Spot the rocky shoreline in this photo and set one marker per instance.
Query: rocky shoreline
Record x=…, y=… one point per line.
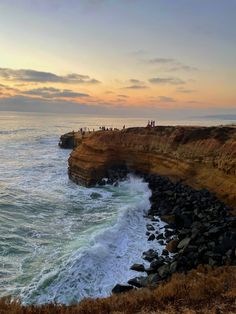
x=199, y=230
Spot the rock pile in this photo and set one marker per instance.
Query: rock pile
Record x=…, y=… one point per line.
x=199, y=230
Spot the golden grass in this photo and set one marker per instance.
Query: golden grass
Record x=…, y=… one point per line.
x=204, y=290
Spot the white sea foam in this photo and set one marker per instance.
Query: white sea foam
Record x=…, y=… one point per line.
x=94, y=270
x=58, y=242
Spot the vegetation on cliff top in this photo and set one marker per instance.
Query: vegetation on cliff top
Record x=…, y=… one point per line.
x=204, y=290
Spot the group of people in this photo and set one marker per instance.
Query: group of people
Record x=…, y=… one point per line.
x=103, y=128
x=151, y=124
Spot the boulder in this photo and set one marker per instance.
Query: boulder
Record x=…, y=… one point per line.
x=150, y=227
x=138, y=282
x=172, y=246
x=151, y=237
x=138, y=267
x=150, y=255
x=121, y=288
x=184, y=243
x=164, y=271
x=168, y=218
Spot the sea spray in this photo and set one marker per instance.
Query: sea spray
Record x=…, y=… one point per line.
x=93, y=270
x=53, y=231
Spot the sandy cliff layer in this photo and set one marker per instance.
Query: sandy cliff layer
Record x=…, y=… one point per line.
x=202, y=157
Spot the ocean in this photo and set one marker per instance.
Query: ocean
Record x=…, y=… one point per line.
x=60, y=242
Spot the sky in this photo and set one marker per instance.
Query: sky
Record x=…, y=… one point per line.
x=118, y=56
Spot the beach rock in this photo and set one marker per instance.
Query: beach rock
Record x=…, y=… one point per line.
x=138, y=267
x=153, y=279
x=157, y=263
x=95, y=195
x=184, y=243
x=151, y=237
x=165, y=252
x=168, y=218
x=121, y=288
x=138, y=282
x=172, y=246
x=150, y=255
x=164, y=271
x=150, y=227
x=160, y=236
x=173, y=267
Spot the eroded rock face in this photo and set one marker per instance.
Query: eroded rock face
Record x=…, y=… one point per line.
x=200, y=156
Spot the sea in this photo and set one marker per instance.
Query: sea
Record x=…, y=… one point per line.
x=61, y=242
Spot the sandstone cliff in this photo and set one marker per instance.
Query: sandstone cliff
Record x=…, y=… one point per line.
x=203, y=157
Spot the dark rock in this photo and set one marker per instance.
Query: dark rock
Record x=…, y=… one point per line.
x=150, y=255
x=153, y=279
x=138, y=282
x=169, y=233
x=172, y=246
x=95, y=195
x=165, y=252
x=164, y=271
x=168, y=218
x=157, y=263
x=160, y=236
x=151, y=237
x=121, y=288
x=184, y=243
x=137, y=267
x=150, y=227
x=173, y=267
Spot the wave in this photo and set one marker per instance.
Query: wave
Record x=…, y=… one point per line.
x=105, y=261
x=16, y=131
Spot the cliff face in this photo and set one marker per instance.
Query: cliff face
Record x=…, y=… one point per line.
x=202, y=157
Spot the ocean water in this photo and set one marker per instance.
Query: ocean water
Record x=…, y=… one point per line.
x=60, y=241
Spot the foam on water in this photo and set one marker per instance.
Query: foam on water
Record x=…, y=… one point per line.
x=59, y=241
x=92, y=271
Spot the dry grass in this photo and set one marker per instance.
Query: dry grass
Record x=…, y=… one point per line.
x=203, y=290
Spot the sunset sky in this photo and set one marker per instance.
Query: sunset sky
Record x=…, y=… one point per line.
x=99, y=56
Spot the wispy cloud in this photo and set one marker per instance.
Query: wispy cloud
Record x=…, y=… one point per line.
x=28, y=75
x=171, y=64
x=166, y=99
x=135, y=81
x=136, y=87
x=123, y=96
x=4, y=88
x=51, y=92
x=185, y=90
x=166, y=81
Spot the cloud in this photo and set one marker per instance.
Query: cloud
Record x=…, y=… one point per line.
x=123, y=96
x=184, y=90
x=136, y=87
x=161, y=61
x=171, y=64
x=27, y=75
x=30, y=104
x=8, y=88
x=135, y=81
x=51, y=92
x=166, y=99
x=166, y=80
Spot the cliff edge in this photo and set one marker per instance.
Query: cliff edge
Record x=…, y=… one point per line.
x=203, y=157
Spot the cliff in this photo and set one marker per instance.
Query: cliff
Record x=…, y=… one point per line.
x=203, y=157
